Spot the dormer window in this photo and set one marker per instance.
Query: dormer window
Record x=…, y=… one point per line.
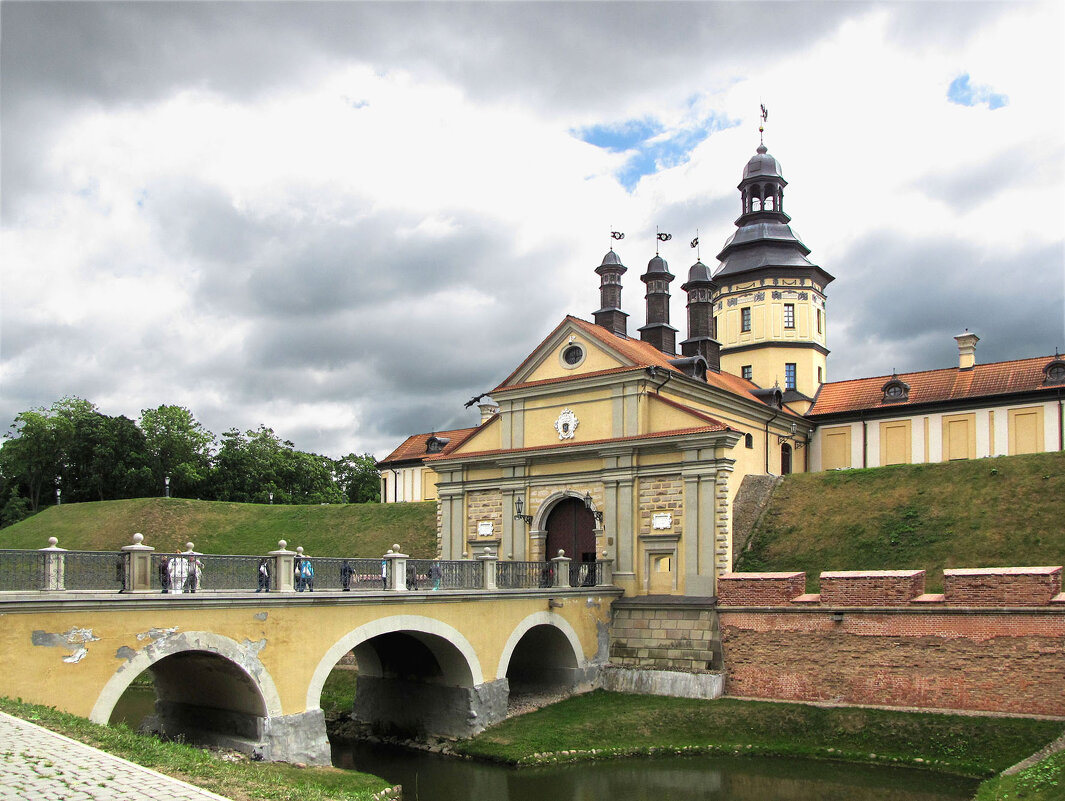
x=436, y=444
x=896, y=391
x=1054, y=372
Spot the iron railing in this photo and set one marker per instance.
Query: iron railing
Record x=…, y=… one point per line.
x=439, y=574
x=333, y=573
x=95, y=570
x=585, y=574
x=523, y=575
x=22, y=571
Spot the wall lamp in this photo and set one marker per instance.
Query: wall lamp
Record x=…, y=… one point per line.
x=588, y=505
x=519, y=509
x=782, y=438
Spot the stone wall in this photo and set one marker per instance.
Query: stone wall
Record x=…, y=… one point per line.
x=484, y=506
x=664, y=635
x=661, y=494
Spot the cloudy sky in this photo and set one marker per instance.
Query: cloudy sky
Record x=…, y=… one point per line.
x=345, y=219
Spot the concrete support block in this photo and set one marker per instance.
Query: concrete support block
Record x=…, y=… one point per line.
x=138, y=565
x=561, y=567
x=54, y=566
x=282, y=580
x=671, y=683
x=296, y=738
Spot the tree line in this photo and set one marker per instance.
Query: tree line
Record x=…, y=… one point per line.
x=73, y=447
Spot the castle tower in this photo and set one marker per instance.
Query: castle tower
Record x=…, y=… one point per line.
x=769, y=303
x=610, y=315
x=658, y=331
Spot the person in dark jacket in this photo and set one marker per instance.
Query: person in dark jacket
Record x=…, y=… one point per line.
x=346, y=572
x=264, y=575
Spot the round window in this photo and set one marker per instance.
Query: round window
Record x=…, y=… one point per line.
x=573, y=354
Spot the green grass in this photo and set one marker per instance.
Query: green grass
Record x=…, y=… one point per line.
x=338, y=692
x=1043, y=781
x=241, y=781
x=611, y=724
x=364, y=529
x=997, y=512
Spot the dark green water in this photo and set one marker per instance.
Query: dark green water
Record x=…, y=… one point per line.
x=428, y=777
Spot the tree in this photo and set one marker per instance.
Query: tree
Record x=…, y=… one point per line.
x=106, y=457
x=35, y=451
x=358, y=478
x=178, y=447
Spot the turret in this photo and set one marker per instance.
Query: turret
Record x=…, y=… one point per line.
x=702, y=338
x=610, y=315
x=658, y=331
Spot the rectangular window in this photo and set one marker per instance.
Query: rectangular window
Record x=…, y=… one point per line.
x=820, y=376
x=747, y=372
x=745, y=318
x=789, y=376
x=819, y=323
x=789, y=315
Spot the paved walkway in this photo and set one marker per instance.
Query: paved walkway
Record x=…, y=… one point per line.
x=39, y=765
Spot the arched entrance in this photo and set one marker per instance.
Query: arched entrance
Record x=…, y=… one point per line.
x=571, y=528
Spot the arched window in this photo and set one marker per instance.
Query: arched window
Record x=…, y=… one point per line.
x=748, y=440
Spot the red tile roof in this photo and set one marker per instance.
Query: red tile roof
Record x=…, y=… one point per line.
x=413, y=448
x=934, y=386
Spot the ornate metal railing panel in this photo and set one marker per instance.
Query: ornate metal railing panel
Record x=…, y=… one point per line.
x=523, y=575
x=437, y=574
x=333, y=573
x=95, y=570
x=21, y=571
x=585, y=574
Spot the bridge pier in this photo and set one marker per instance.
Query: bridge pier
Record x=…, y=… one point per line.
x=413, y=709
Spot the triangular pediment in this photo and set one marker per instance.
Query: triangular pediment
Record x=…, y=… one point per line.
x=573, y=349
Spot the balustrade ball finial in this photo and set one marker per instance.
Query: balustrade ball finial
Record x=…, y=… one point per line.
x=561, y=552
x=299, y=550
x=53, y=541
x=395, y=547
x=282, y=544
x=138, y=538
x=189, y=545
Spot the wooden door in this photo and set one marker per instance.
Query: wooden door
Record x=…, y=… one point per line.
x=571, y=528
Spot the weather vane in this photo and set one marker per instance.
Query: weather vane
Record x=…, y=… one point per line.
x=761, y=125
x=661, y=237
x=695, y=244
x=617, y=235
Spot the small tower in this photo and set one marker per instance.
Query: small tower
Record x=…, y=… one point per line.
x=610, y=315
x=658, y=331
x=701, y=339
x=769, y=303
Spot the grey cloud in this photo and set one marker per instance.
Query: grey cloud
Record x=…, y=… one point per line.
x=967, y=188
x=902, y=302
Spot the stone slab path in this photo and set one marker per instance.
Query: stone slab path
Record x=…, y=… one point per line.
x=39, y=765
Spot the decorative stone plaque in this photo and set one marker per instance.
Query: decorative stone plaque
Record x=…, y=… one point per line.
x=484, y=528
x=566, y=424
x=662, y=520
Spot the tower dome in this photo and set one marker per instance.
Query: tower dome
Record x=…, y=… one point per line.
x=762, y=165
x=658, y=266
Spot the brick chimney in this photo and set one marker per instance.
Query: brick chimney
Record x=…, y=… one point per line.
x=966, y=350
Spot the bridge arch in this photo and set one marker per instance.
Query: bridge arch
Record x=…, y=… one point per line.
x=243, y=659
x=535, y=620
x=459, y=662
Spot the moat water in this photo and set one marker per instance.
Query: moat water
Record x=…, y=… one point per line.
x=430, y=777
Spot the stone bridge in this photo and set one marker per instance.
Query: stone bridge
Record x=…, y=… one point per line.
x=246, y=670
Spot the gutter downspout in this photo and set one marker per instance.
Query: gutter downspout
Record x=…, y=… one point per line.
x=767, y=422
x=395, y=485
x=865, y=441
x=1061, y=424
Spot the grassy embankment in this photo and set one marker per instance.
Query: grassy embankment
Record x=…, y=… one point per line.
x=603, y=725
x=241, y=781
x=360, y=530
x=999, y=512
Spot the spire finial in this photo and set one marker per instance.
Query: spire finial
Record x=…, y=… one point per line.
x=761, y=129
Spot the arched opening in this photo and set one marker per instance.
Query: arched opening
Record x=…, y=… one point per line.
x=785, y=459
x=405, y=677
x=199, y=697
x=570, y=528
x=542, y=668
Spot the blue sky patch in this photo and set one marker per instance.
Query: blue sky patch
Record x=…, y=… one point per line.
x=651, y=145
x=963, y=92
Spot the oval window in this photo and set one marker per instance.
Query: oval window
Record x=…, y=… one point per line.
x=573, y=354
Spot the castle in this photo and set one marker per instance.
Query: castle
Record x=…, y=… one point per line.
x=606, y=445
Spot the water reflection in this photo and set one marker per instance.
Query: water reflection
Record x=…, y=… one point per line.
x=426, y=777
